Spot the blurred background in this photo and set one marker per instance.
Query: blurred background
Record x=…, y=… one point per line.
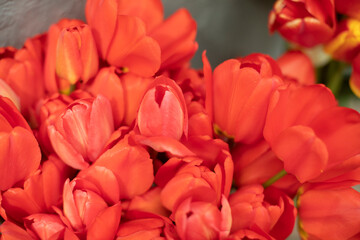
x=226, y=28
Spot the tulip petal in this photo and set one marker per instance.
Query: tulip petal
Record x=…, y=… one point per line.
x=105, y=224
x=19, y=156
x=303, y=153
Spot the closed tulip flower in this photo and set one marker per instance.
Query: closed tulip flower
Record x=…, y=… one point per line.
x=76, y=54
x=306, y=23
x=74, y=134
x=162, y=111
x=19, y=147
x=238, y=93
x=203, y=220
x=121, y=39
x=85, y=210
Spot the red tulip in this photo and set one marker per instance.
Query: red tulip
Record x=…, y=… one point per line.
x=53, y=83
x=329, y=214
x=122, y=39
x=40, y=193
x=345, y=45
x=300, y=134
x=307, y=23
x=19, y=147
x=162, y=111
x=124, y=91
x=272, y=211
x=76, y=54
x=74, y=134
x=11, y=231
x=238, y=95
x=348, y=7
x=22, y=71
x=45, y=226
x=203, y=220
x=88, y=213
x=127, y=161
x=176, y=38
x=295, y=65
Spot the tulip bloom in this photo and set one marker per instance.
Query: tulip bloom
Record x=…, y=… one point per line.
x=76, y=54
x=85, y=211
x=271, y=210
x=329, y=214
x=126, y=161
x=74, y=134
x=162, y=111
x=238, y=94
x=124, y=91
x=203, y=220
x=345, y=45
x=299, y=133
x=307, y=23
x=122, y=40
x=350, y=8
x=40, y=193
x=19, y=147
x=22, y=71
x=45, y=226
x=176, y=38
x=53, y=82
x=295, y=65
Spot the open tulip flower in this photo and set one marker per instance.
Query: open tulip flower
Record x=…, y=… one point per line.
x=107, y=132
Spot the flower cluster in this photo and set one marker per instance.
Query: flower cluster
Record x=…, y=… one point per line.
x=333, y=23
x=108, y=133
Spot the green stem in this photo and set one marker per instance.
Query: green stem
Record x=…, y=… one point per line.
x=274, y=178
x=335, y=76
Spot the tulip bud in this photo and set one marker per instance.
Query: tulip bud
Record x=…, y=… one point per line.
x=76, y=54
x=238, y=95
x=307, y=23
x=45, y=226
x=162, y=111
x=122, y=39
x=203, y=220
x=74, y=134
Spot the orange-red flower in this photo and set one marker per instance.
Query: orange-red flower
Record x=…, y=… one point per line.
x=22, y=71
x=203, y=220
x=127, y=161
x=350, y=8
x=87, y=213
x=18, y=147
x=75, y=134
x=238, y=95
x=76, y=54
x=297, y=67
x=345, y=45
x=121, y=39
x=124, y=91
x=45, y=226
x=329, y=214
x=307, y=23
x=162, y=111
x=270, y=210
x=40, y=192
x=300, y=133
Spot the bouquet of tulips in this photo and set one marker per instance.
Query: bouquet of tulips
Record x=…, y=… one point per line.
x=108, y=133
